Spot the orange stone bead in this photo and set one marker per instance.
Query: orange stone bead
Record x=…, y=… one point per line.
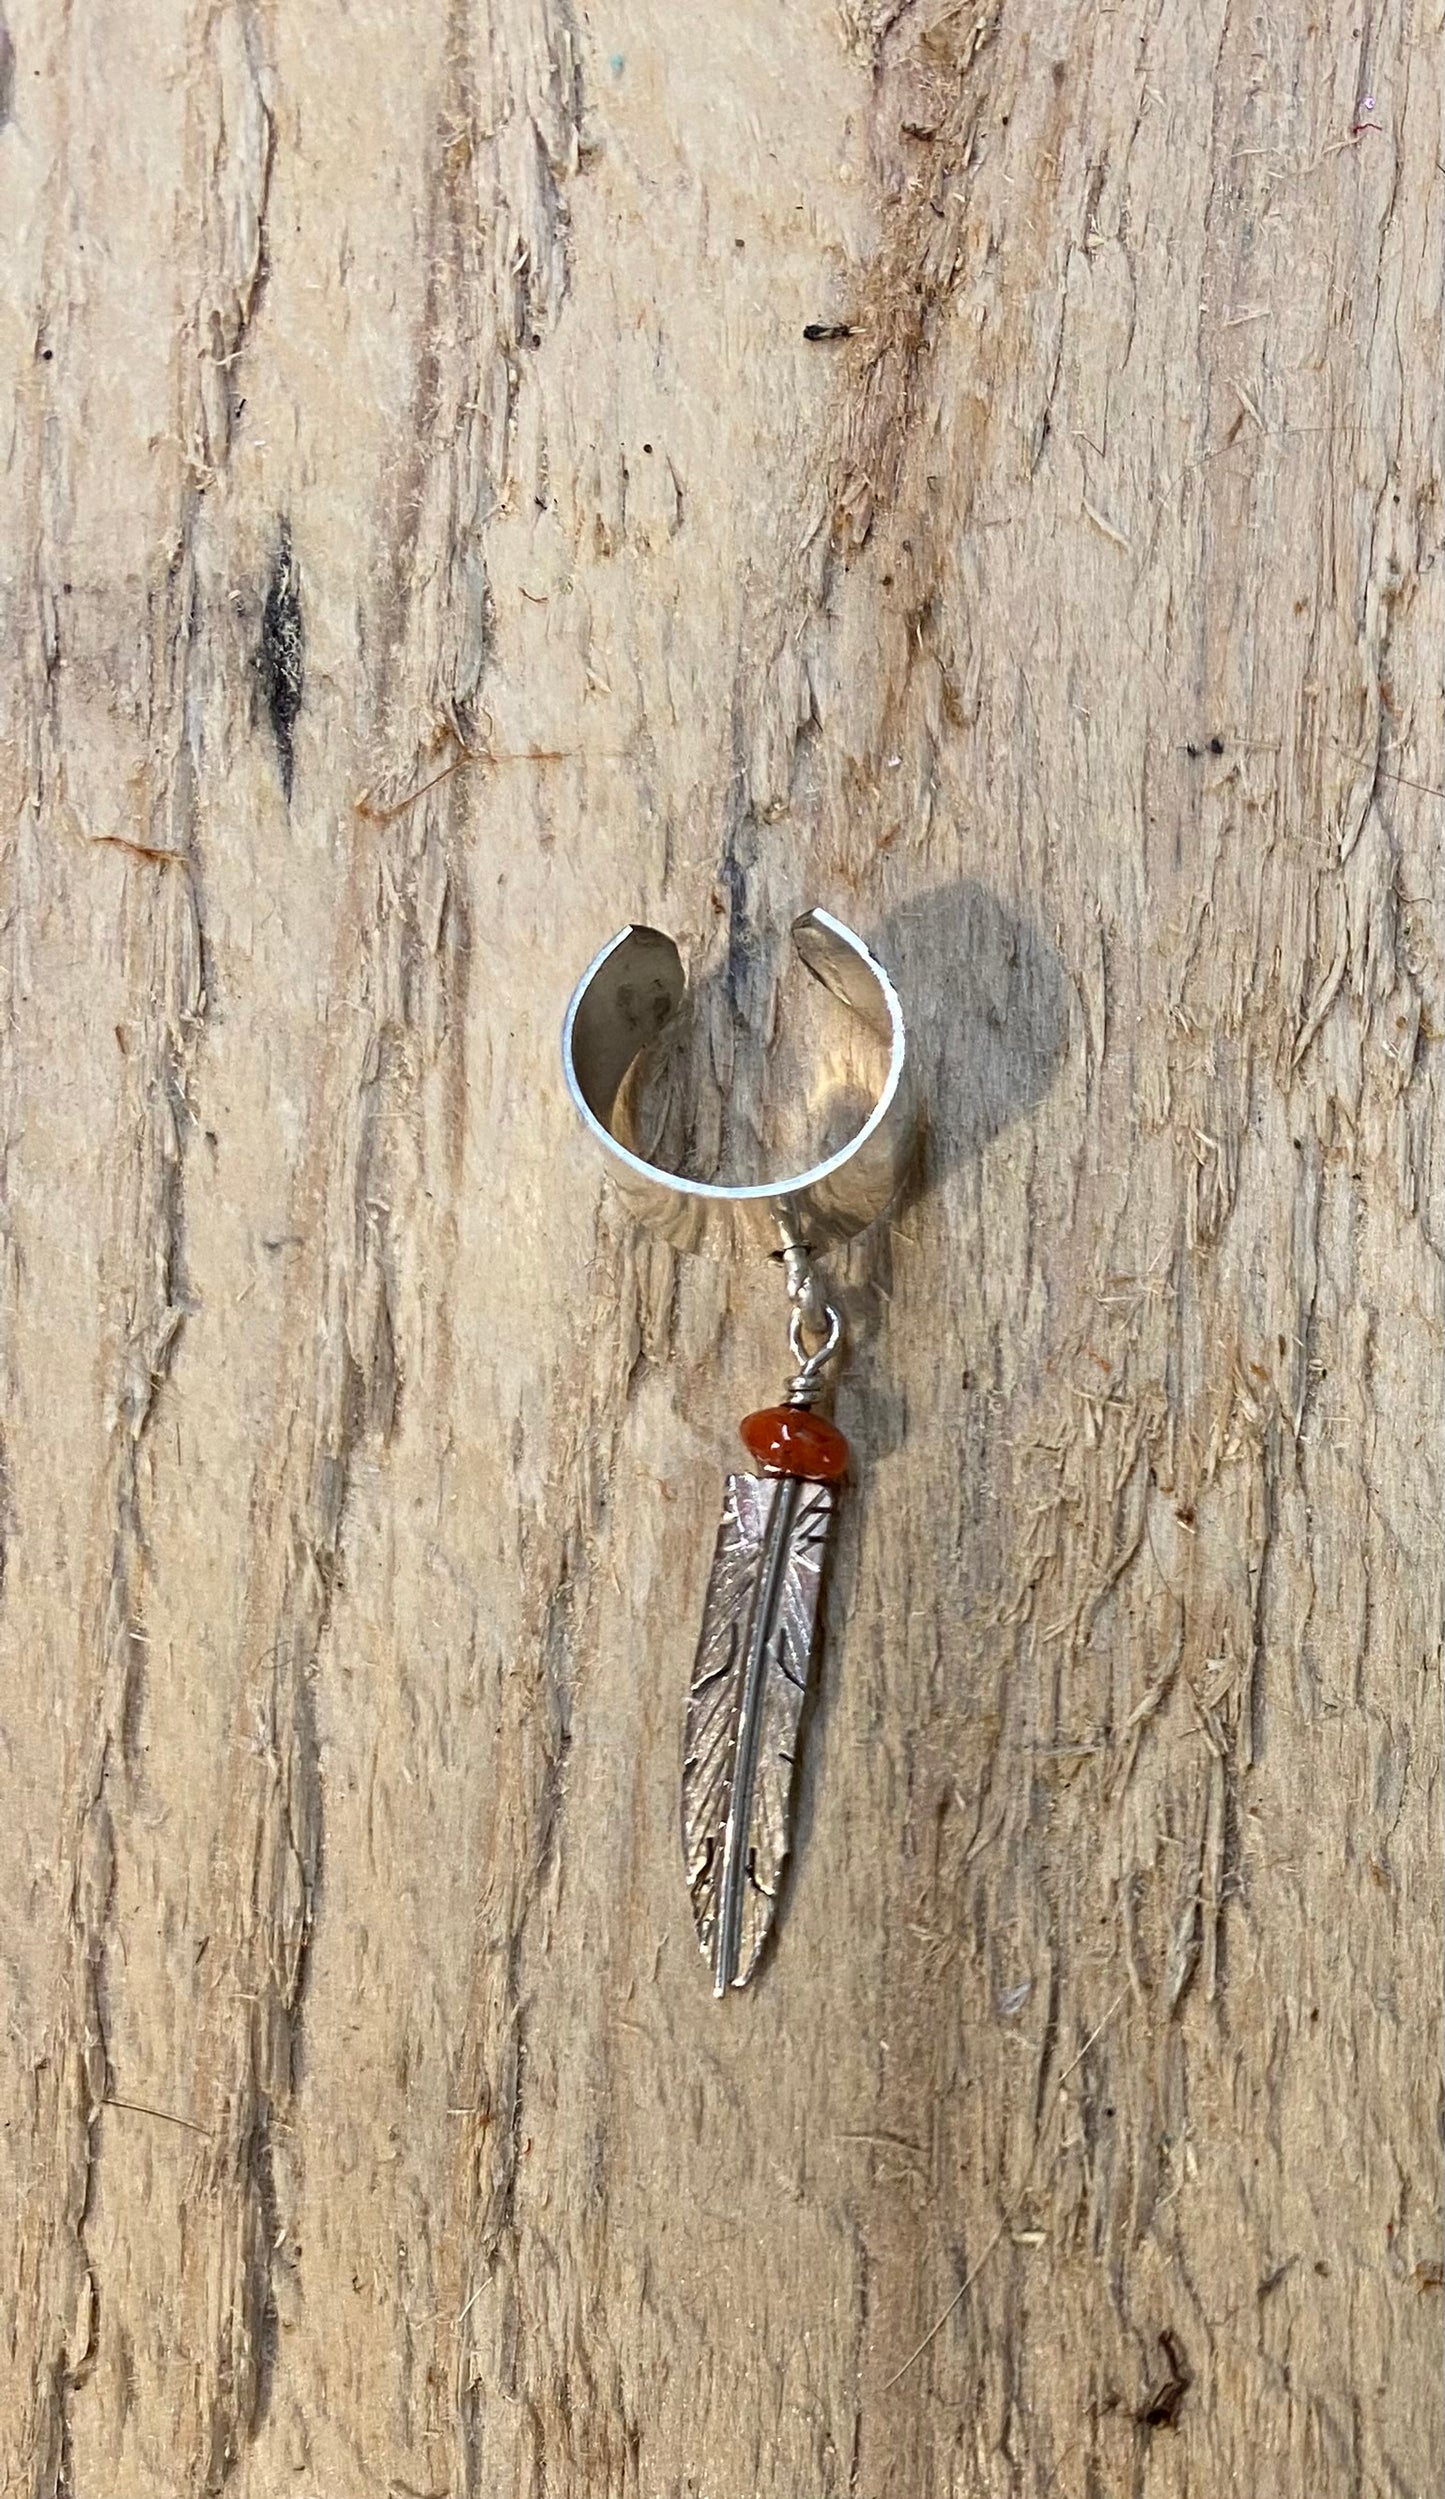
x=787, y=1440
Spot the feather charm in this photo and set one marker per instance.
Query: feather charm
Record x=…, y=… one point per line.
x=745, y=1701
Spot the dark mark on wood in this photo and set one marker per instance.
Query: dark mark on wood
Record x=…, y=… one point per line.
x=159, y=857
x=282, y=655
x=1161, y=2409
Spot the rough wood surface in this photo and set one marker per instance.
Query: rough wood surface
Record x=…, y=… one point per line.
x=429, y=540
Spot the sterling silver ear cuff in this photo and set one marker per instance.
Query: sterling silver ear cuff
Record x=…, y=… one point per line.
x=760, y=1616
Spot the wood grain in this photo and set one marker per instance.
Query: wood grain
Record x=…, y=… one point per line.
x=429, y=540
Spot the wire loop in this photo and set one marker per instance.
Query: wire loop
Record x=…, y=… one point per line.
x=809, y=1378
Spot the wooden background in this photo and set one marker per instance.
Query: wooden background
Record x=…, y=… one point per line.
x=429, y=541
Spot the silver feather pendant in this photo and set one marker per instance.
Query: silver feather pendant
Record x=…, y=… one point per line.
x=744, y=1706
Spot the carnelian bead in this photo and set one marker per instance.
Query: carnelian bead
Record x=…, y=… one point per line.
x=787, y=1440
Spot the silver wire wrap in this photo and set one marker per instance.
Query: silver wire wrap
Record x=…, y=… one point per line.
x=805, y=1287
x=812, y=1314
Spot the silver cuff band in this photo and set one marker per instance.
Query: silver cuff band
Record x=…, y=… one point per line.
x=621, y=1004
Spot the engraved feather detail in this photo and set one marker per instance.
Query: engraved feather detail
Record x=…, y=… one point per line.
x=744, y=1705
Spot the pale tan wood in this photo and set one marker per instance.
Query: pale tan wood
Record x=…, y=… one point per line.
x=413, y=405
